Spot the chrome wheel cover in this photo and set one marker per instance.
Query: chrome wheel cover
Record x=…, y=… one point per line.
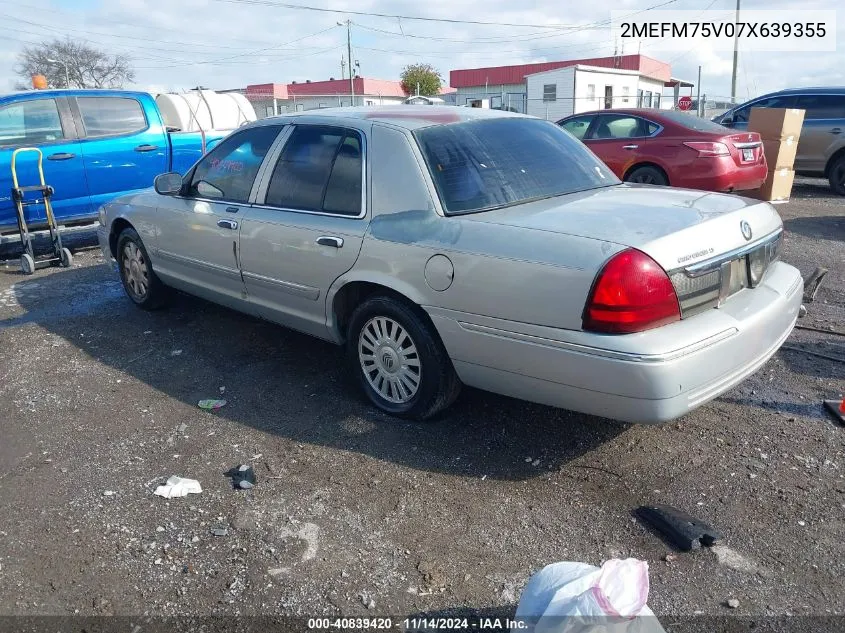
x=390, y=360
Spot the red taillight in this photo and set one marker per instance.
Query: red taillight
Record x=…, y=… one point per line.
x=709, y=149
x=632, y=293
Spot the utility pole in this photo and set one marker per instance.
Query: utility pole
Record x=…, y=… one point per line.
x=342, y=67
x=699, y=105
x=736, y=54
x=349, y=53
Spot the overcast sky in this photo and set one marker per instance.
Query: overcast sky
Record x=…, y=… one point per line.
x=178, y=44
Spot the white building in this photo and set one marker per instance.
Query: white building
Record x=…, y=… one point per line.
x=521, y=88
x=559, y=93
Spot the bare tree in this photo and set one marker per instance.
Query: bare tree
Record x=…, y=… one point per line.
x=70, y=64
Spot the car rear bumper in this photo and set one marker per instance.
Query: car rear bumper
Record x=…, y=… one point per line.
x=721, y=174
x=650, y=383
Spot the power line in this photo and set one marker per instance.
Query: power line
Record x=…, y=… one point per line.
x=393, y=16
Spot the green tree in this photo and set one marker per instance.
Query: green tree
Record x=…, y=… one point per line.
x=423, y=75
x=70, y=64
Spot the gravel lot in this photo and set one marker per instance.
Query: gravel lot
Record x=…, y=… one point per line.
x=359, y=514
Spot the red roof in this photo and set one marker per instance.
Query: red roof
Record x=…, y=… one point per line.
x=267, y=91
x=363, y=86
x=498, y=75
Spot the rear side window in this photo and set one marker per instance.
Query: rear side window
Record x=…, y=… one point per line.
x=228, y=171
x=693, y=122
x=822, y=106
x=320, y=169
x=611, y=126
x=490, y=163
x=30, y=122
x=111, y=116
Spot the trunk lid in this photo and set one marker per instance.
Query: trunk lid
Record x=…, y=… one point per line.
x=746, y=148
x=675, y=227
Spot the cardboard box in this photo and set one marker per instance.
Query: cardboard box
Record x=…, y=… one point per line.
x=780, y=153
x=776, y=124
x=777, y=188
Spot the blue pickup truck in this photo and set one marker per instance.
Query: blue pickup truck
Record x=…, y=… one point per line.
x=97, y=144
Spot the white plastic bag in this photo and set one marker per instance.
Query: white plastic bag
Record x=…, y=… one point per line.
x=581, y=598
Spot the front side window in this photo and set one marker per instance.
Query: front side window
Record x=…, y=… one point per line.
x=111, y=116
x=320, y=169
x=577, y=126
x=485, y=164
x=30, y=122
x=229, y=170
x=782, y=101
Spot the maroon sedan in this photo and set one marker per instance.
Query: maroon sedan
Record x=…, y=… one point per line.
x=663, y=147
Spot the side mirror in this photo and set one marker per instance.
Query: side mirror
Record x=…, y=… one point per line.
x=168, y=184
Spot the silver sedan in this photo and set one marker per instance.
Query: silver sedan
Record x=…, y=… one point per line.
x=449, y=246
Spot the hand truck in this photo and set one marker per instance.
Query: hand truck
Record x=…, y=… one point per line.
x=60, y=255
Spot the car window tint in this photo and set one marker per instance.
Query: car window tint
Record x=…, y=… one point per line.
x=618, y=126
x=692, y=122
x=110, y=116
x=30, y=122
x=822, y=106
x=229, y=170
x=780, y=101
x=578, y=126
x=651, y=127
x=319, y=170
x=494, y=162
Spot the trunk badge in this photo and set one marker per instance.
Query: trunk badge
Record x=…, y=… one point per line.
x=745, y=227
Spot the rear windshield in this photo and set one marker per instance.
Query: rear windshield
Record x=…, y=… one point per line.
x=486, y=164
x=692, y=122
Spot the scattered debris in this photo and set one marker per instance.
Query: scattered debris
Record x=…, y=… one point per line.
x=670, y=558
x=734, y=560
x=195, y=539
x=108, y=493
x=178, y=487
x=367, y=600
x=242, y=476
x=210, y=404
x=220, y=531
x=802, y=523
x=279, y=571
x=733, y=603
x=160, y=528
x=176, y=352
x=183, y=427
x=577, y=589
x=683, y=530
x=836, y=408
x=812, y=283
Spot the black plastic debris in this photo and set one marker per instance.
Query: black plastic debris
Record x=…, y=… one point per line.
x=836, y=409
x=683, y=530
x=812, y=283
x=242, y=476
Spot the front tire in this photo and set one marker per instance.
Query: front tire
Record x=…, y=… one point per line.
x=647, y=175
x=836, y=176
x=399, y=360
x=136, y=272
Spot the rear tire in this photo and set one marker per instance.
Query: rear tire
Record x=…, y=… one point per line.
x=399, y=360
x=647, y=175
x=136, y=272
x=836, y=176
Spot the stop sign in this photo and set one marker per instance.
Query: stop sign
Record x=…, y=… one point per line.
x=685, y=103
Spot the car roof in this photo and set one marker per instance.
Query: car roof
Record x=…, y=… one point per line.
x=646, y=113
x=836, y=90
x=74, y=92
x=410, y=117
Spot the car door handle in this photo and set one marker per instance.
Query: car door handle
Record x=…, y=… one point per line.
x=146, y=148
x=61, y=156
x=227, y=224
x=630, y=146
x=336, y=242
x=836, y=130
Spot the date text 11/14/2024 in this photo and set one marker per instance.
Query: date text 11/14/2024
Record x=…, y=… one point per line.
x=416, y=624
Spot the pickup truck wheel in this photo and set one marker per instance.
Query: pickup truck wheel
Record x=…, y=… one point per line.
x=647, y=175
x=836, y=175
x=399, y=360
x=139, y=281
